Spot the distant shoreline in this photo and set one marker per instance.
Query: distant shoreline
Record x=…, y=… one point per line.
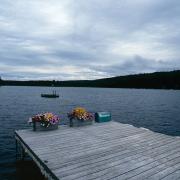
x=156, y=80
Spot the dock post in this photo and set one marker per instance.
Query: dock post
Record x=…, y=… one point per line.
x=22, y=153
x=16, y=148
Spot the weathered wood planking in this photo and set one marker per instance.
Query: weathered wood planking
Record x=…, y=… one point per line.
x=103, y=151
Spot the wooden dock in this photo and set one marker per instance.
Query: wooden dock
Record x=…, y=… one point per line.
x=103, y=151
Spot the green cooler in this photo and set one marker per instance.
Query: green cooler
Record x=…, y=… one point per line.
x=102, y=117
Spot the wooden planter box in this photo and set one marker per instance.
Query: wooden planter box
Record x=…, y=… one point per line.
x=37, y=127
x=79, y=122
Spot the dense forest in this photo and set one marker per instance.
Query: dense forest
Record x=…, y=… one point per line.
x=157, y=80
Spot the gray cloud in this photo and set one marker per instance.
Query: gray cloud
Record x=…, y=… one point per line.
x=138, y=64
x=88, y=39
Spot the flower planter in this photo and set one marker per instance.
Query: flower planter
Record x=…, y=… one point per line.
x=38, y=127
x=44, y=122
x=79, y=122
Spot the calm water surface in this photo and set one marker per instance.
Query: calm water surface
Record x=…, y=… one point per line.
x=157, y=110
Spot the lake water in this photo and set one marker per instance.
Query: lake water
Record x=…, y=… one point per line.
x=157, y=110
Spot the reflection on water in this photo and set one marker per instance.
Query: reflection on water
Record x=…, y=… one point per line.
x=157, y=110
x=27, y=170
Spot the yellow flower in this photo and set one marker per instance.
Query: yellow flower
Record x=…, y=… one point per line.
x=48, y=116
x=79, y=112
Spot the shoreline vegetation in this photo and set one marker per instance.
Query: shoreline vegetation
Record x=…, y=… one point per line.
x=156, y=80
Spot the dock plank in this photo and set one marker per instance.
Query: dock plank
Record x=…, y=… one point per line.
x=103, y=151
x=142, y=145
x=111, y=152
x=123, y=155
x=147, y=173
x=120, y=166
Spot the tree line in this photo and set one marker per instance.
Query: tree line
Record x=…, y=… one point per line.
x=157, y=80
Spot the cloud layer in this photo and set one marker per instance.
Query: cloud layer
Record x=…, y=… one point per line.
x=76, y=39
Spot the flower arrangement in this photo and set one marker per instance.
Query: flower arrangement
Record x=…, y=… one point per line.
x=46, y=119
x=80, y=114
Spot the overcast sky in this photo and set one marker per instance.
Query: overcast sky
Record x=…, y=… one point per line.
x=87, y=39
